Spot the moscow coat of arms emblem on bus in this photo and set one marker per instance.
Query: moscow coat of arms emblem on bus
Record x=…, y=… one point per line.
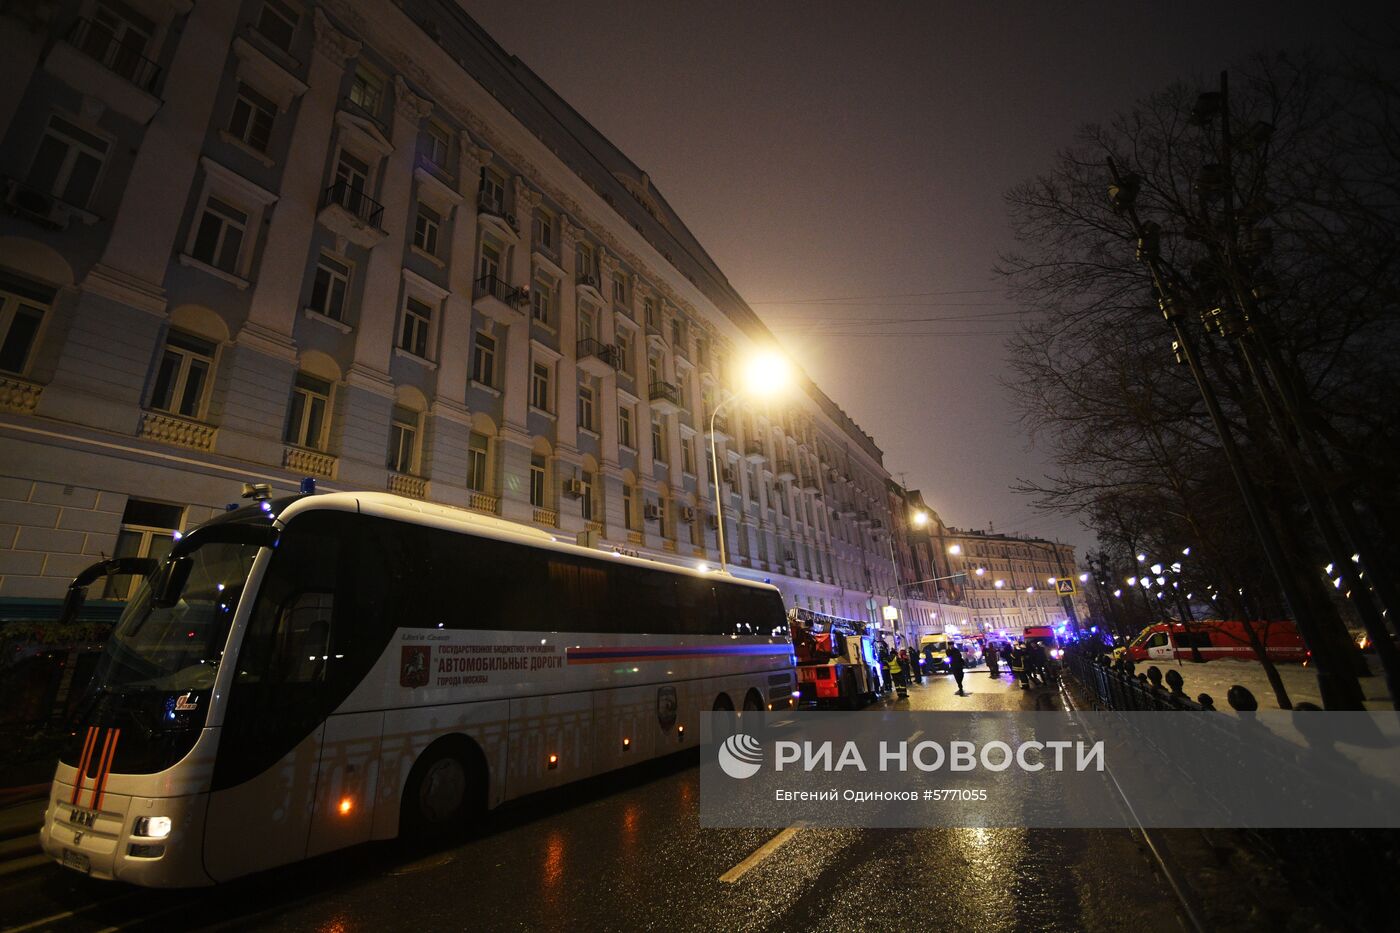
x=414, y=669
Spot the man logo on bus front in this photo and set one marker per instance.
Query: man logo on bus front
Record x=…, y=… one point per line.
x=416, y=661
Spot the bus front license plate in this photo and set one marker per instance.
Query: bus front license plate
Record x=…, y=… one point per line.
x=76, y=861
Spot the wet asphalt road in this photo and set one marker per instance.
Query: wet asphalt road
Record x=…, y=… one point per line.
x=626, y=852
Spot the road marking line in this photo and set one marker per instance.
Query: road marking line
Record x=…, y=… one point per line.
x=71, y=913
x=761, y=853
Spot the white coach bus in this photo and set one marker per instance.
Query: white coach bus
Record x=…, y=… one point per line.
x=305, y=674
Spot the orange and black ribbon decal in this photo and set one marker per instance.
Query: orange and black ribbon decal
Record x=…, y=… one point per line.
x=89, y=742
x=109, y=751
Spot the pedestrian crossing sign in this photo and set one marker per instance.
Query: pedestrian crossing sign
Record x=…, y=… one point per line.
x=1065, y=587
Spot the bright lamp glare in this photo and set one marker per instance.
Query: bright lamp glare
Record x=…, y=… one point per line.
x=766, y=374
x=920, y=519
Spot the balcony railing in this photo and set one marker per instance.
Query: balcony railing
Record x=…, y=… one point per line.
x=605, y=352
x=101, y=44
x=405, y=484
x=482, y=502
x=19, y=395
x=354, y=200
x=312, y=462
x=501, y=290
x=785, y=470
x=664, y=396
x=182, y=432
x=547, y=517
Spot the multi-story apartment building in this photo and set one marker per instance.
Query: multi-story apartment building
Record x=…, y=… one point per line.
x=1008, y=582
x=259, y=240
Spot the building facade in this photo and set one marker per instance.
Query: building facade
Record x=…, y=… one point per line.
x=358, y=241
x=1007, y=583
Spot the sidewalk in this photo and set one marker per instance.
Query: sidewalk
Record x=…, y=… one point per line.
x=21, y=815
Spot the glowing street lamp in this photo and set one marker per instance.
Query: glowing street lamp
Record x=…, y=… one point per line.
x=765, y=375
x=999, y=584
x=955, y=549
x=920, y=519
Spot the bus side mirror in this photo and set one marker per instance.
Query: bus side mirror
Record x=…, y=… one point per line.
x=170, y=583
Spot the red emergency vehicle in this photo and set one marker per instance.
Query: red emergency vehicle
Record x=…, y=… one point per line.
x=836, y=661
x=1168, y=641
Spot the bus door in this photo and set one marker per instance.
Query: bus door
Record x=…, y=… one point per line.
x=290, y=779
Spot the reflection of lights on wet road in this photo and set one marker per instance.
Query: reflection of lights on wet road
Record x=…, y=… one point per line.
x=631, y=819
x=554, y=859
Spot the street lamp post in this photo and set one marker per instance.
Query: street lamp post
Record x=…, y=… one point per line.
x=766, y=374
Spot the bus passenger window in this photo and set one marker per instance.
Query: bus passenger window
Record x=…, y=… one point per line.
x=304, y=638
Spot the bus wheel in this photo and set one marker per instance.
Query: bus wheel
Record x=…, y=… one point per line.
x=444, y=789
x=726, y=706
x=753, y=703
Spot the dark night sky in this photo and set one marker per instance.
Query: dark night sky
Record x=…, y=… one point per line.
x=834, y=150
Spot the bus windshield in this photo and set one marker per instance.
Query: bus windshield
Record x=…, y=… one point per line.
x=178, y=647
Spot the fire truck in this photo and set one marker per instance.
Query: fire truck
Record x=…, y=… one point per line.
x=836, y=660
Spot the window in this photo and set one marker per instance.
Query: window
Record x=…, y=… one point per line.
x=425, y=229
x=658, y=441
x=329, y=288
x=619, y=289
x=251, y=121
x=649, y=307
x=367, y=90
x=490, y=259
x=676, y=332
x=218, y=240
x=587, y=323
x=278, y=23
x=493, y=190
x=539, y=387
x=118, y=38
x=662, y=523
x=68, y=161
x=587, y=482
x=477, y=449
x=537, y=485
x=624, y=426
x=585, y=407
x=417, y=318
x=544, y=231
x=653, y=369
x=22, y=307
x=351, y=173
x=306, y=421
x=183, y=375
x=542, y=301
x=436, y=144
x=624, y=349
x=629, y=506
x=403, y=440
x=688, y=455
x=484, y=360
x=584, y=261
x=147, y=530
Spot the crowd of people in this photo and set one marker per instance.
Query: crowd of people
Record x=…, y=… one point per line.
x=1030, y=664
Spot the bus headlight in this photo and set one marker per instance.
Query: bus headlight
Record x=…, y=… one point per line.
x=152, y=827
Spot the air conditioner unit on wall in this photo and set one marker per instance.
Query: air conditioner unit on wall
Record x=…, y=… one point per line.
x=713, y=521
x=687, y=514
x=651, y=513
x=573, y=487
x=729, y=475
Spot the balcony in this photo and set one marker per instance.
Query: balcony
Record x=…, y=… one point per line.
x=24, y=200
x=498, y=299
x=308, y=462
x=785, y=471
x=405, y=484
x=598, y=359
x=753, y=452
x=546, y=517
x=665, y=398
x=590, y=284
x=88, y=57
x=493, y=209
x=481, y=502
x=810, y=484
x=348, y=212
x=181, y=432
x=721, y=432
